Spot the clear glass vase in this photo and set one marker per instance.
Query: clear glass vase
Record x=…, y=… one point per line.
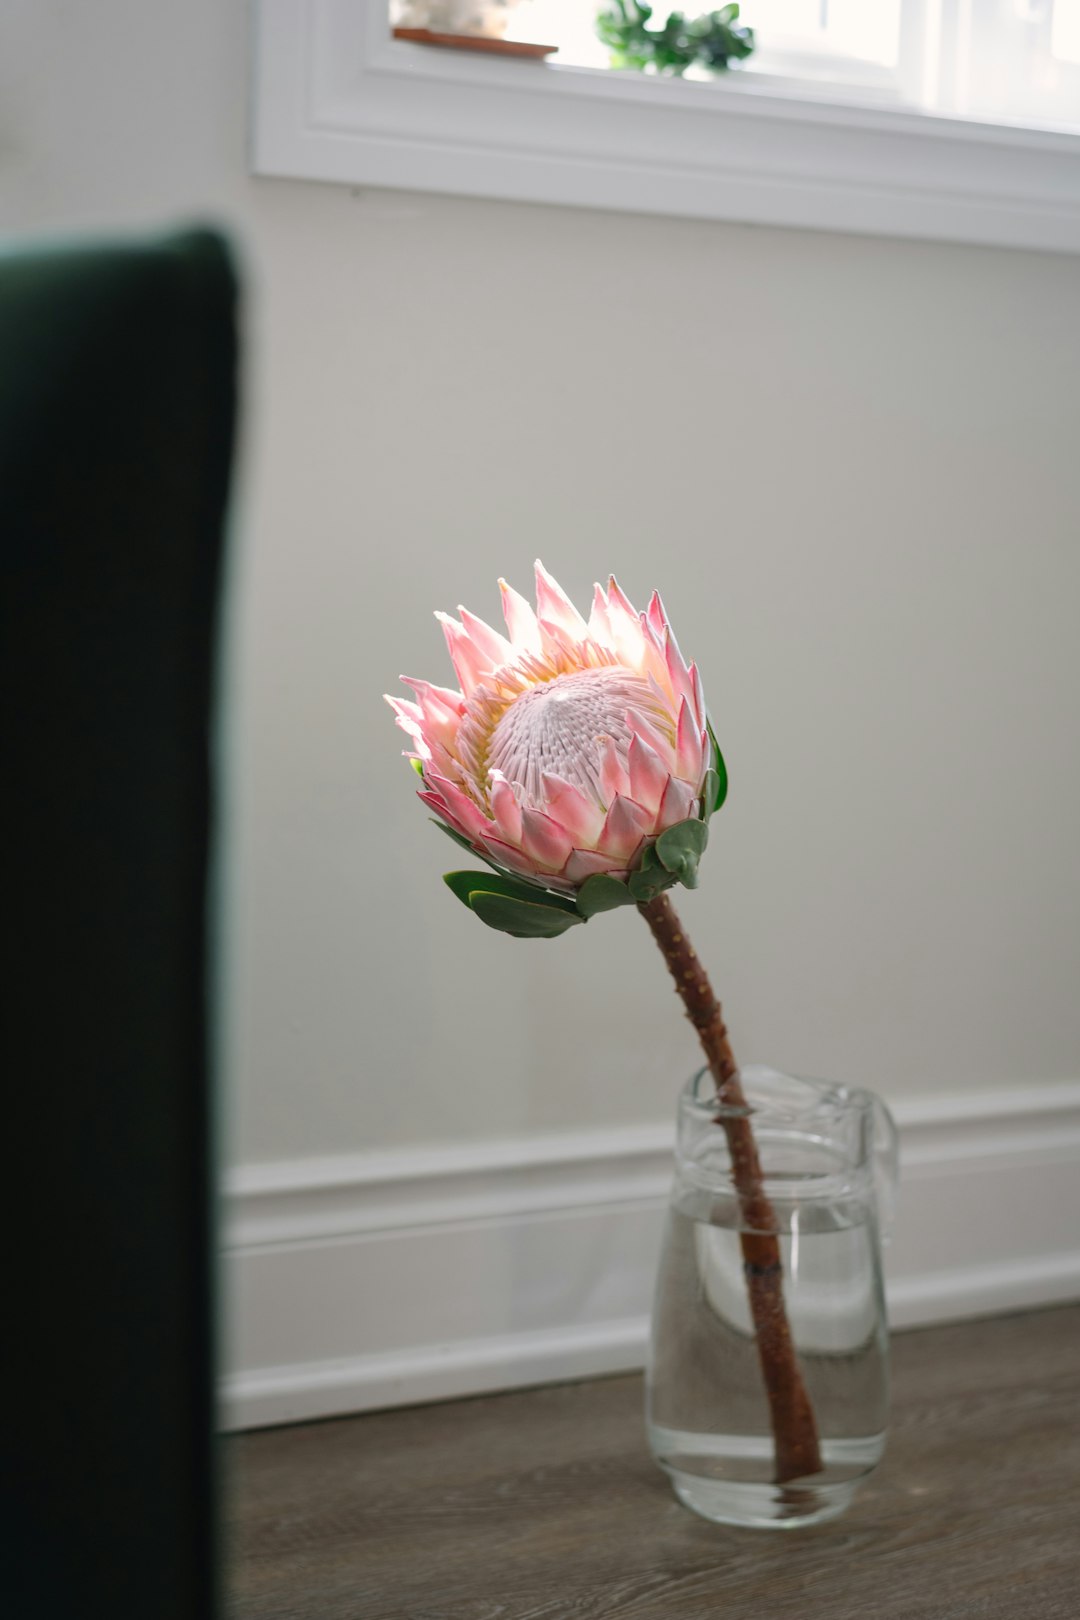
x=828, y=1157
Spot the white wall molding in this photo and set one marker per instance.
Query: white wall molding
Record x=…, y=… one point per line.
x=335, y=98
x=382, y=1279
x=344, y=1196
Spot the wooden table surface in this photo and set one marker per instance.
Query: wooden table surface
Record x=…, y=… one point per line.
x=545, y=1505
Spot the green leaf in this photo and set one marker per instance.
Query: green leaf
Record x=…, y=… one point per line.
x=681, y=847
x=602, y=892
x=523, y=919
x=456, y=836
x=418, y=767
x=467, y=884
x=513, y=906
x=721, y=771
x=650, y=879
x=712, y=40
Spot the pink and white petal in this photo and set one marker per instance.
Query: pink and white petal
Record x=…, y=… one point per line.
x=580, y=817
x=648, y=775
x=520, y=620
x=656, y=615
x=425, y=736
x=666, y=697
x=592, y=654
x=420, y=751
x=470, y=816
x=505, y=809
x=599, y=623
x=619, y=602
x=443, y=761
x=408, y=716
x=404, y=709
x=469, y=663
x=532, y=667
x=494, y=647
x=625, y=627
x=661, y=743
x=614, y=777
x=667, y=631
x=689, y=747
x=554, y=607
x=654, y=637
x=440, y=708
x=699, y=697
x=544, y=841
x=515, y=860
x=509, y=855
x=585, y=863
x=469, y=753
x=435, y=801
x=442, y=734
x=561, y=651
x=654, y=662
x=625, y=825
x=682, y=683
x=436, y=699
x=666, y=702
x=677, y=804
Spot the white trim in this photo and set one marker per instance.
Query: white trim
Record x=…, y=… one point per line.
x=409, y=1377
x=385, y=1192
x=336, y=99
x=374, y=1280
x=989, y=1290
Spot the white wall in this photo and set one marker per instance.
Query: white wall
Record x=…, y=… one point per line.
x=851, y=466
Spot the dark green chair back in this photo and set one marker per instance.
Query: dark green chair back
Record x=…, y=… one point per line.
x=117, y=381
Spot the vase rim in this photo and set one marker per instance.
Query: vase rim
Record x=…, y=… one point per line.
x=791, y=1095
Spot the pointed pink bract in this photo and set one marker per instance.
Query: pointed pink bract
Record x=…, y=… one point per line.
x=520, y=620
x=648, y=775
x=493, y=648
x=581, y=817
x=555, y=608
x=624, y=827
x=544, y=841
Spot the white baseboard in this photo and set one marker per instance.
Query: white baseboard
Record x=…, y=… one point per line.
x=386, y=1279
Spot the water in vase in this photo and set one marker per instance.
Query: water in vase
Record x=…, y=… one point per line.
x=708, y=1418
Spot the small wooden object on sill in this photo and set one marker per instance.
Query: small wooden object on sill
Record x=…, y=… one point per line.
x=475, y=42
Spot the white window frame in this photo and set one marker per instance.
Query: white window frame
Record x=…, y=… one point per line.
x=336, y=98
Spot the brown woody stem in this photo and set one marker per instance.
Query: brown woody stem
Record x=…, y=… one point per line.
x=795, y=1438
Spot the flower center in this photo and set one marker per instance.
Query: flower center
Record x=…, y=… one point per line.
x=557, y=726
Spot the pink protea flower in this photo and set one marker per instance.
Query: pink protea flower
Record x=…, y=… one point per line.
x=572, y=745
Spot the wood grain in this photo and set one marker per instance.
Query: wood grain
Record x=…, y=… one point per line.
x=545, y=1505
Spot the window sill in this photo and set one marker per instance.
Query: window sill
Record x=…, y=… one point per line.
x=337, y=99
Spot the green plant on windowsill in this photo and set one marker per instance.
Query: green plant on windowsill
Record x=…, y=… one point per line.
x=711, y=41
